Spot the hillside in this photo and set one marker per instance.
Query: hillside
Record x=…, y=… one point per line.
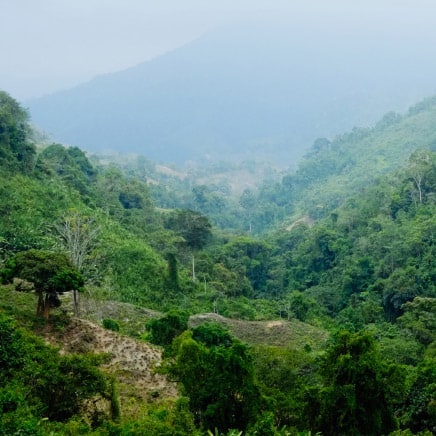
x=244, y=90
x=282, y=333
x=334, y=170
x=134, y=362
x=260, y=196
x=328, y=316
x=131, y=362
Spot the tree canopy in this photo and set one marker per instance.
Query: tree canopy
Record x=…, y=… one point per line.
x=216, y=372
x=354, y=398
x=50, y=273
x=194, y=227
x=16, y=151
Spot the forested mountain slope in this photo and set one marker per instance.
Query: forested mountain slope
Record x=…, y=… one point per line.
x=360, y=269
x=255, y=197
x=333, y=170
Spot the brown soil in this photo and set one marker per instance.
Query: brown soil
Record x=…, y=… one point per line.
x=131, y=361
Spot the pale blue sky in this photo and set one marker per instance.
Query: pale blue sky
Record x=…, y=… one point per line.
x=48, y=45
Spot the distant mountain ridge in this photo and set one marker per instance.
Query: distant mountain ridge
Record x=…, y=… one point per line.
x=258, y=90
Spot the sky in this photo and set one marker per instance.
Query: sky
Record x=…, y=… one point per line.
x=49, y=45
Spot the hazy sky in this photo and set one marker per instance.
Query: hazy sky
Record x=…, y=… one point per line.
x=47, y=45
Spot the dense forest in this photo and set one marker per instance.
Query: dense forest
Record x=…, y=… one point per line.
x=341, y=248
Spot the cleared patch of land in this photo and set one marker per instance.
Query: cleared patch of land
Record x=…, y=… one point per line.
x=131, y=360
x=282, y=333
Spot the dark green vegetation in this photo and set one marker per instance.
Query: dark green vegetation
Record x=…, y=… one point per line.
x=343, y=247
x=41, y=390
x=217, y=375
x=49, y=273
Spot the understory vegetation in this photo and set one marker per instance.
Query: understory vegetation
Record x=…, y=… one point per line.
x=342, y=247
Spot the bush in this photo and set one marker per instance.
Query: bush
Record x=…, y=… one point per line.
x=111, y=324
x=165, y=329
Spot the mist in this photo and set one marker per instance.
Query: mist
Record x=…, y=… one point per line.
x=52, y=45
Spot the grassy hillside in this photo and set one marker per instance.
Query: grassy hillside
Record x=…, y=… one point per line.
x=130, y=362
x=280, y=333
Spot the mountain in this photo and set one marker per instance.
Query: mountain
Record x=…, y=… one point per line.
x=249, y=89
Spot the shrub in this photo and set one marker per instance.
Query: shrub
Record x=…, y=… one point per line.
x=165, y=329
x=111, y=324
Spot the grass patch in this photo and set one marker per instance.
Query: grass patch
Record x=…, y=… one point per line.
x=280, y=333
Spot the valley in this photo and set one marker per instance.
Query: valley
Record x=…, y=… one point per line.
x=227, y=297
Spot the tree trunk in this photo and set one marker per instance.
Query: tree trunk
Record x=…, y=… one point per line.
x=47, y=306
x=193, y=268
x=40, y=305
x=76, y=302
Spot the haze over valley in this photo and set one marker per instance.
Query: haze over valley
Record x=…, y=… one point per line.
x=247, y=90
x=218, y=218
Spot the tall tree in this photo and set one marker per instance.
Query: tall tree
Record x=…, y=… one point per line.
x=70, y=164
x=216, y=372
x=422, y=166
x=248, y=202
x=50, y=273
x=194, y=228
x=354, y=399
x=78, y=234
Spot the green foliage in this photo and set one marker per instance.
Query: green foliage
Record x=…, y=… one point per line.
x=172, y=281
x=126, y=201
x=264, y=426
x=169, y=420
x=50, y=273
x=248, y=258
x=332, y=171
x=362, y=258
x=420, y=318
x=300, y=306
x=283, y=375
x=419, y=409
x=217, y=376
x=194, y=227
x=354, y=397
x=135, y=270
x=38, y=384
x=16, y=151
x=11, y=354
x=363, y=309
x=212, y=335
x=111, y=324
x=163, y=330
x=70, y=164
x=29, y=208
x=63, y=385
x=357, y=253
